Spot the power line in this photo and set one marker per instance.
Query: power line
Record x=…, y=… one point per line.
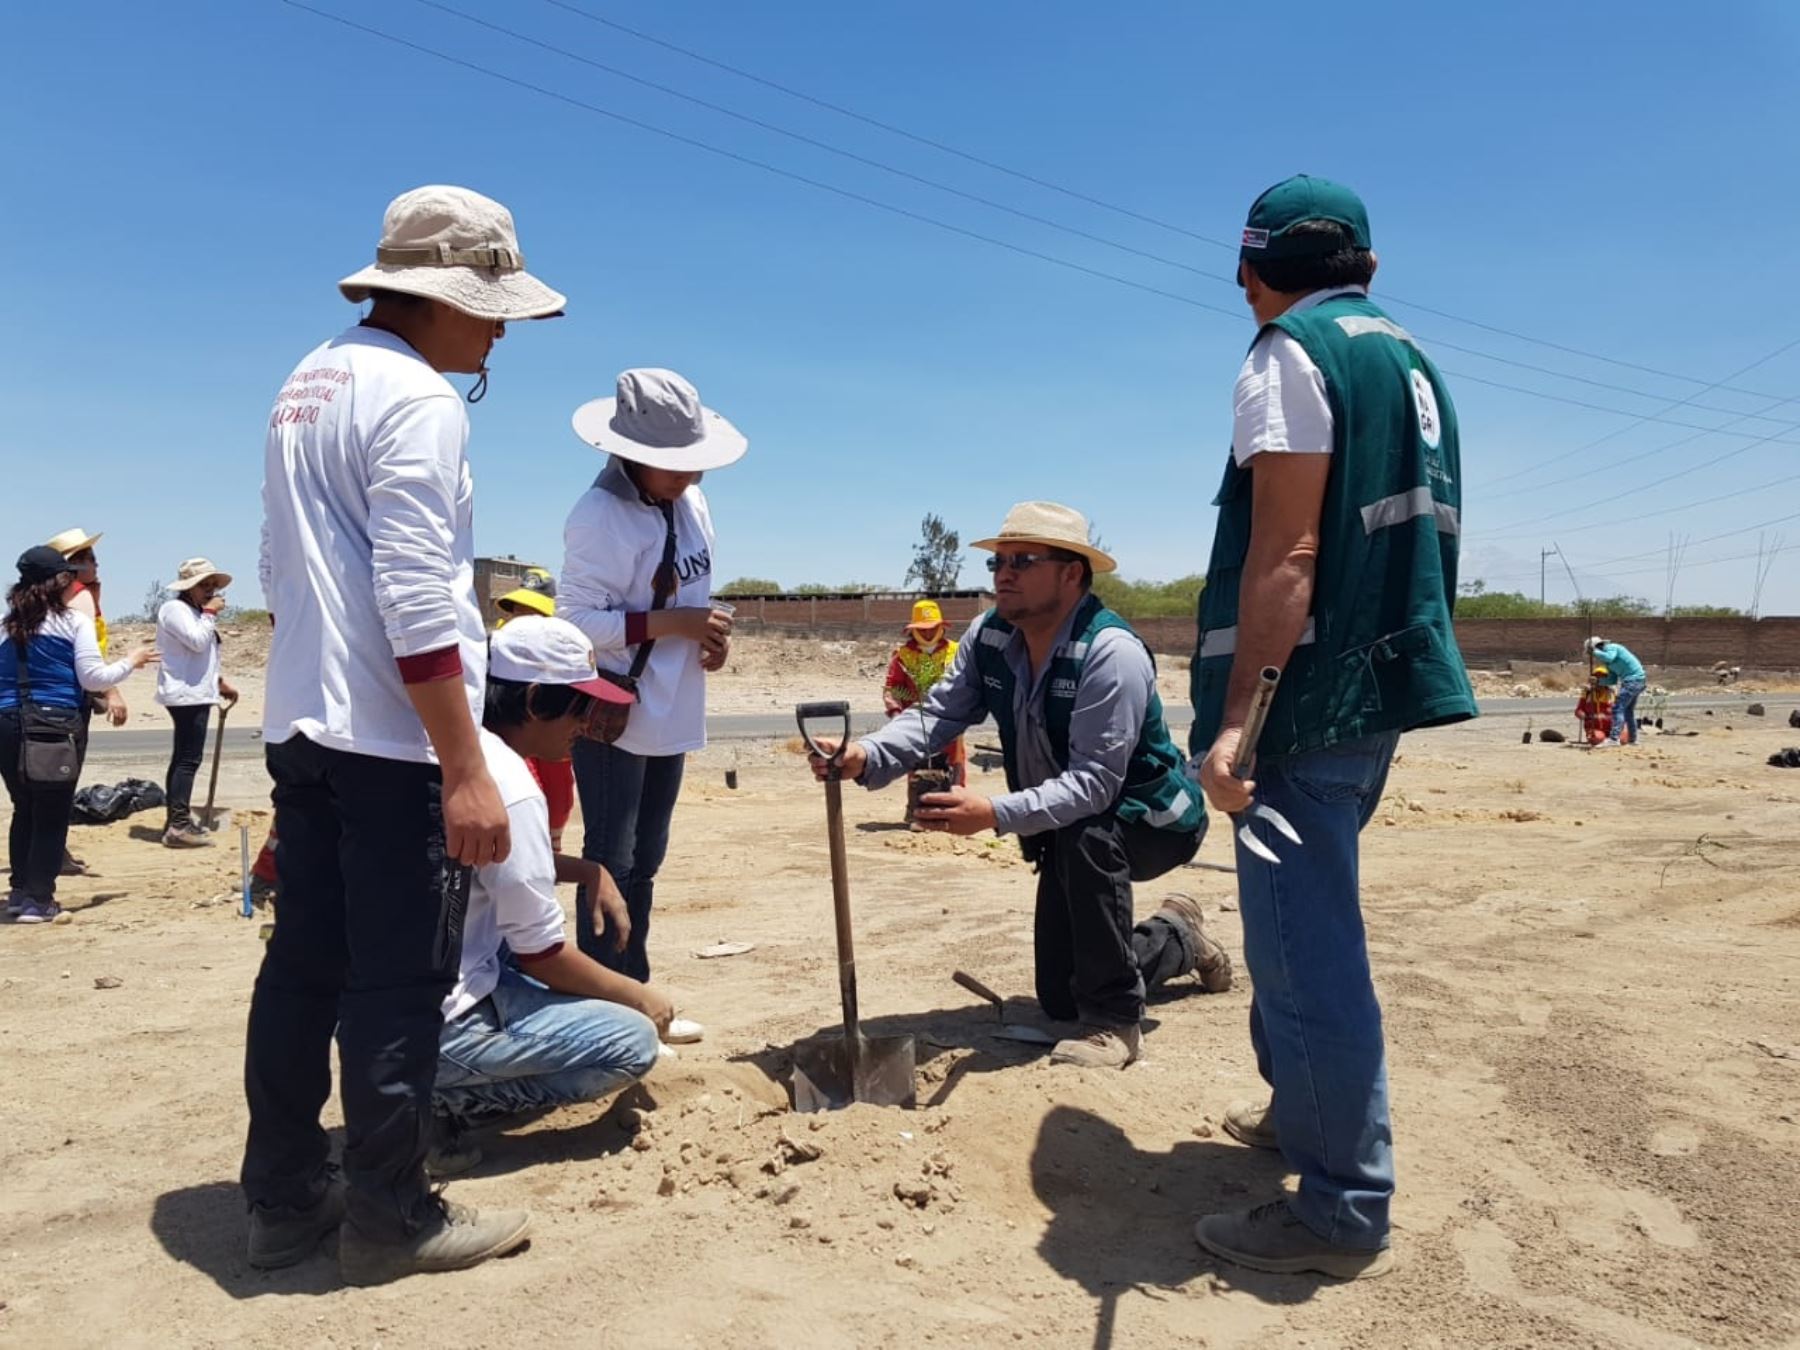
x=1076, y=194
x=1607, y=571
x=909, y=176
x=1639, y=421
x=906, y=174
x=1525, y=531
x=755, y=163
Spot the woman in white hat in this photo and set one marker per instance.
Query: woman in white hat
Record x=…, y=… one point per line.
x=188, y=685
x=637, y=579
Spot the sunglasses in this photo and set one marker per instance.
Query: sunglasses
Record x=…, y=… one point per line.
x=1019, y=562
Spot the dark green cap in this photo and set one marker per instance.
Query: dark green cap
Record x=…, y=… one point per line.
x=1267, y=234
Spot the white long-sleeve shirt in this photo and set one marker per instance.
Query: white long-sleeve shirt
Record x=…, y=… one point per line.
x=62, y=662
x=612, y=546
x=188, y=641
x=368, y=545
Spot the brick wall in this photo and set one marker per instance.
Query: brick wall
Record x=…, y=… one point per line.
x=847, y=615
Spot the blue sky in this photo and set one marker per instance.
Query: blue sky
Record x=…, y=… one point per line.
x=188, y=182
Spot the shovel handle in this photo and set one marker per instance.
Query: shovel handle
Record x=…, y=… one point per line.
x=840, y=864
x=212, y=786
x=813, y=712
x=1244, y=763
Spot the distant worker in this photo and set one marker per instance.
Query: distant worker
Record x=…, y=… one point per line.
x=536, y=594
x=188, y=685
x=1626, y=674
x=1334, y=561
x=918, y=663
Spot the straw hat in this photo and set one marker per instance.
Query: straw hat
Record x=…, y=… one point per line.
x=656, y=418
x=1047, y=523
x=72, y=541
x=195, y=571
x=926, y=614
x=457, y=246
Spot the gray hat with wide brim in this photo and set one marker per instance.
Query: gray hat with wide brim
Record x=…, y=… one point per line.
x=657, y=419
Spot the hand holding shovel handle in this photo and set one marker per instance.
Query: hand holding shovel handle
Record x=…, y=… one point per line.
x=1243, y=764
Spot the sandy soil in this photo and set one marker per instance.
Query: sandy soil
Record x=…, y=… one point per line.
x=1590, y=965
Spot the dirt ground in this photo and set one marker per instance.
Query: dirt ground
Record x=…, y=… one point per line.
x=1590, y=965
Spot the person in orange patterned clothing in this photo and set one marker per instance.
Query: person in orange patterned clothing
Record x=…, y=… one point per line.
x=920, y=662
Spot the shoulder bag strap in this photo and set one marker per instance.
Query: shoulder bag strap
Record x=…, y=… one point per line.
x=662, y=589
x=19, y=649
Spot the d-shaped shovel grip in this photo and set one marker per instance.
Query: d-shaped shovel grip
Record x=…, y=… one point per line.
x=813, y=712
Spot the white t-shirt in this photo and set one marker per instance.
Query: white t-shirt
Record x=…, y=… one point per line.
x=514, y=901
x=1280, y=405
x=612, y=546
x=188, y=641
x=368, y=545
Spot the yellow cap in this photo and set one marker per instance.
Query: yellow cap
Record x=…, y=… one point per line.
x=525, y=598
x=926, y=614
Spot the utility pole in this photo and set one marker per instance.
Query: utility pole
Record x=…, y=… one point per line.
x=1543, y=553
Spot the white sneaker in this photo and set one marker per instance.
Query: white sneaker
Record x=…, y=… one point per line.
x=684, y=1032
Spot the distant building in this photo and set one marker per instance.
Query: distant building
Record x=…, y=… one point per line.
x=494, y=577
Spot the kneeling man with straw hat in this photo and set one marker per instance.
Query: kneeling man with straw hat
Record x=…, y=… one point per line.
x=1097, y=791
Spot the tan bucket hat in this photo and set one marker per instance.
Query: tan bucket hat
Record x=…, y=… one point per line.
x=457, y=246
x=193, y=572
x=1047, y=523
x=72, y=541
x=657, y=419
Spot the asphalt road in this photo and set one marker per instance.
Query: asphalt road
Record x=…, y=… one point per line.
x=243, y=742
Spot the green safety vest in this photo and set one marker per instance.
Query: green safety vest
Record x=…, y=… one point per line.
x=1378, y=653
x=1157, y=790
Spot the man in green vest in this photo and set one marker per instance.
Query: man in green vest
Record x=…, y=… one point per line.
x=1096, y=790
x=1334, y=560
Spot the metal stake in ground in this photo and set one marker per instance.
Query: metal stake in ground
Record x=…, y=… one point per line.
x=878, y=1070
x=1245, y=762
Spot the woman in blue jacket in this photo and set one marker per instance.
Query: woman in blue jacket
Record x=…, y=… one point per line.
x=52, y=653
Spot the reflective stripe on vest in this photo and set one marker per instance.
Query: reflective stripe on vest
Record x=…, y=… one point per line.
x=1223, y=641
x=1170, y=814
x=1405, y=506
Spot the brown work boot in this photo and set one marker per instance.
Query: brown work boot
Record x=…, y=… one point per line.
x=1100, y=1048
x=1270, y=1238
x=460, y=1238
x=1212, y=963
x=1253, y=1124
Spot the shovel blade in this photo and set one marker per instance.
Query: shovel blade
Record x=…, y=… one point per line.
x=1279, y=821
x=828, y=1076
x=1256, y=846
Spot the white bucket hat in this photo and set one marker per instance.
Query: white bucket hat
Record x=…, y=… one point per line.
x=1047, y=523
x=457, y=246
x=193, y=572
x=657, y=419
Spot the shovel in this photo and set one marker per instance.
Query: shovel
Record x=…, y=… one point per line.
x=828, y=1074
x=208, y=820
x=1245, y=763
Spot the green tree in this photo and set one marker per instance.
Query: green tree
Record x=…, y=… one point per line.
x=937, y=557
x=749, y=586
x=1179, y=598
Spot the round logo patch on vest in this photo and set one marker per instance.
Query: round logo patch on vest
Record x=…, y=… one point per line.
x=1431, y=426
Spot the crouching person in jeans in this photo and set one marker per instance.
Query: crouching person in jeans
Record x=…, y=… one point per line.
x=556, y=1026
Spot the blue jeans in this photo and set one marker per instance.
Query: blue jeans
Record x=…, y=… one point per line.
x=1625, y=707
x=524, y=1047
x=627, y=802
x=1314, y=1020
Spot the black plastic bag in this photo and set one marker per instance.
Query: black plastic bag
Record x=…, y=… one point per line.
x=105, y=802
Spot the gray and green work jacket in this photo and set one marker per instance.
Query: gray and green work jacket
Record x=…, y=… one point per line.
x=1082, y=736
x=1378, y=653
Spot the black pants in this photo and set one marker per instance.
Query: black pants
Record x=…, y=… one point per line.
x=1093, y=964
x=367, y=943
x=185, y=759
x=40, y=820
